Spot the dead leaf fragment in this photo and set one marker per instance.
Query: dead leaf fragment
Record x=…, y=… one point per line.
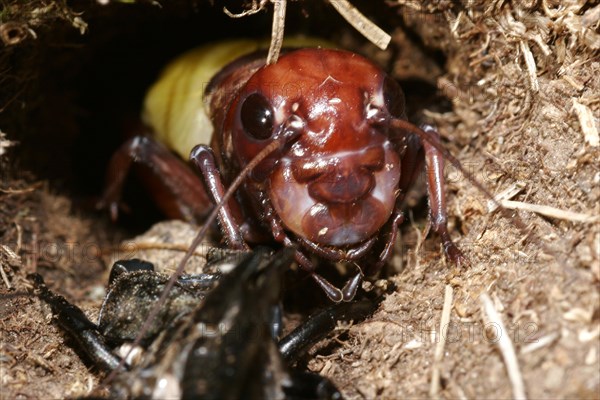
x=588, y=125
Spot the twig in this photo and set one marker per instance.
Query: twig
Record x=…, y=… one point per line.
x=549, y=211
x=36, y=359
x=19, y=237
x=19, y=191
x=588, y=126
x=279, y=7
x=361, y=23
x=539, y=343
x=506, y=348
x=277, y=30
x=434, y=389
x=4, y=277
x=531, y=67
x=366, y=27
x=506, y=194
x=11, y=258
x=257, y=6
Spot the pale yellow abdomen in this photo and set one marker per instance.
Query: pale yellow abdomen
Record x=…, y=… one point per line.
x=174, y=106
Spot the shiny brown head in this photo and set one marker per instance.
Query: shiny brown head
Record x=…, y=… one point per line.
x=334, y=182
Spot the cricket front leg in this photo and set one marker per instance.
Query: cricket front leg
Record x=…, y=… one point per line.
x=176, y=189
x=438, y=214
x=335, y=294
x=390, y=239
x=229, y=214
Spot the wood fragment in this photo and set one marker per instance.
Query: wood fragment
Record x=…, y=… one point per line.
x=506, y=194
x=505, y=346
x=8, y=258
x=588, y=125
x=531, y=67
x=4, y=276
x=277, y=30
x=434, y=388
x=361, y=23
x=365, y=26
x=548, y=211
x=574, y=82
x=19, y=237
x=454, y=24
x=591, y=17
x=537, y=38
x=21, y=191
x=540, y=343
x=588, y=334
x=37, y=360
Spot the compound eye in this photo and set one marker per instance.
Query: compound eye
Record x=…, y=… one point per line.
x=393, y=97
x=257, y=116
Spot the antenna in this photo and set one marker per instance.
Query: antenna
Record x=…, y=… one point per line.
x=274, y=145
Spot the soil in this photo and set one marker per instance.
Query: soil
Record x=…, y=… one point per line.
x=514, y=90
